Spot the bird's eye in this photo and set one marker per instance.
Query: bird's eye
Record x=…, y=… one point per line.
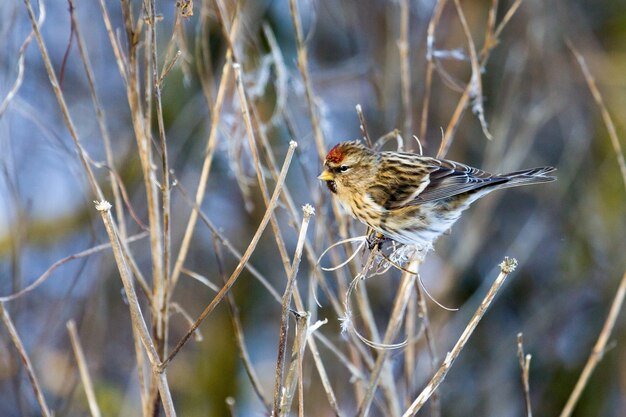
x=344, y=168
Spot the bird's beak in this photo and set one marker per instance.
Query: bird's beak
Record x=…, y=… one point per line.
x=326, y=176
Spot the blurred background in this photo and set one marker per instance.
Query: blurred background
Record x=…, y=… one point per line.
x=567, y=236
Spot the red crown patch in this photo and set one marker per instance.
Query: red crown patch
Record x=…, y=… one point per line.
x=336, y=154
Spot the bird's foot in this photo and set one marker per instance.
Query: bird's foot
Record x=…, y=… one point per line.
x=376, y=240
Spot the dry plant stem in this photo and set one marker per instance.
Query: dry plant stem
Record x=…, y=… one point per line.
x=405, y=69
x=311, y=343
x=366, y=135
x=506, y=267
x=239, y=334
x=303, y=67
x=432, y=349
x=137, y=319
x=208, y=159
x=292, y=211
x=301, y=335
x=463, y=101
x=285, y=305
x=84, y=159
x=30, y=372
x=430, y=49
x=42, y=278
x=409, y=350
x=600, y=346
x=160, y=288
x=230, y=402
x=20, y=62
x=257, y=163
x=393, y=328
x=100, y=117
x=598, y=349
x=113, y=40
x=293, y=379
x=244, y=259
x=83, y=369
x=277, y=234
x=217, y=234
x=476, y=92
x=606, y=117
x=524, y=364
x=144, y=148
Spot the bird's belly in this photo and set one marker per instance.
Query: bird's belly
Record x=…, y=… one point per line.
x=418, y=225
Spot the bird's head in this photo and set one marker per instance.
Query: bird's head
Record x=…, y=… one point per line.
x=349, y=167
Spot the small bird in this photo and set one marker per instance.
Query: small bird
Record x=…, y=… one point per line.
x=409, y=198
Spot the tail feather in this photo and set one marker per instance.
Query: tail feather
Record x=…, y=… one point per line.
x=528, y=176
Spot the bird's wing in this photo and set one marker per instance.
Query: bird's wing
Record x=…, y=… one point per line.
x=432, y=180
x=453, y=178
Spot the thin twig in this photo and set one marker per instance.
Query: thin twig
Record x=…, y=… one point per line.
x=598, y=349
x=294, y=378
x=363, y=126
x=245, y=111
x=20, y=62
x=239, y=334
x=303, y=67
x=461, y=106
x=393, y=328
x=405, y=69
x=524, y=364
x=430, y=49
x=208, y=158
x=430, y=342
x=244, y=259
x=101, y=118
x=84, y=159
x=161, y=284
x=506, y=267
x=30, y=371
x=136, y=315
x=83, y=369
x=476, y=91
x=606, y=117
x=42, y=278
x=286, y=301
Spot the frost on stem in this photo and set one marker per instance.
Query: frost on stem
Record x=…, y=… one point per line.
x=308, y=210
x=508, y=265
x=102, y=205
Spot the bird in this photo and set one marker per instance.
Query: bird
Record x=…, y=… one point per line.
x=410, y=198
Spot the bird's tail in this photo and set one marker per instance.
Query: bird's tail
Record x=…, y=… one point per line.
x=527, y=177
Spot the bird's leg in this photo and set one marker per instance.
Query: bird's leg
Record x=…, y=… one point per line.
x=375, y=239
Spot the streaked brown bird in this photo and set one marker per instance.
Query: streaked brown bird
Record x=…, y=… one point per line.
x=409, y=198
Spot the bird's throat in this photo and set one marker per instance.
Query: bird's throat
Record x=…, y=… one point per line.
x=332, y=186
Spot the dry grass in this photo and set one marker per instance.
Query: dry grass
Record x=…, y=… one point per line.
x=262, y=82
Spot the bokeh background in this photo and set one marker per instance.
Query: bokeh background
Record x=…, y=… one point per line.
x=568, y=236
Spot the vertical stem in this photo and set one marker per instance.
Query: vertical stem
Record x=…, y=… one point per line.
x=405, y=68
x=32, y=377
x=286, y=301
x=83, y=369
